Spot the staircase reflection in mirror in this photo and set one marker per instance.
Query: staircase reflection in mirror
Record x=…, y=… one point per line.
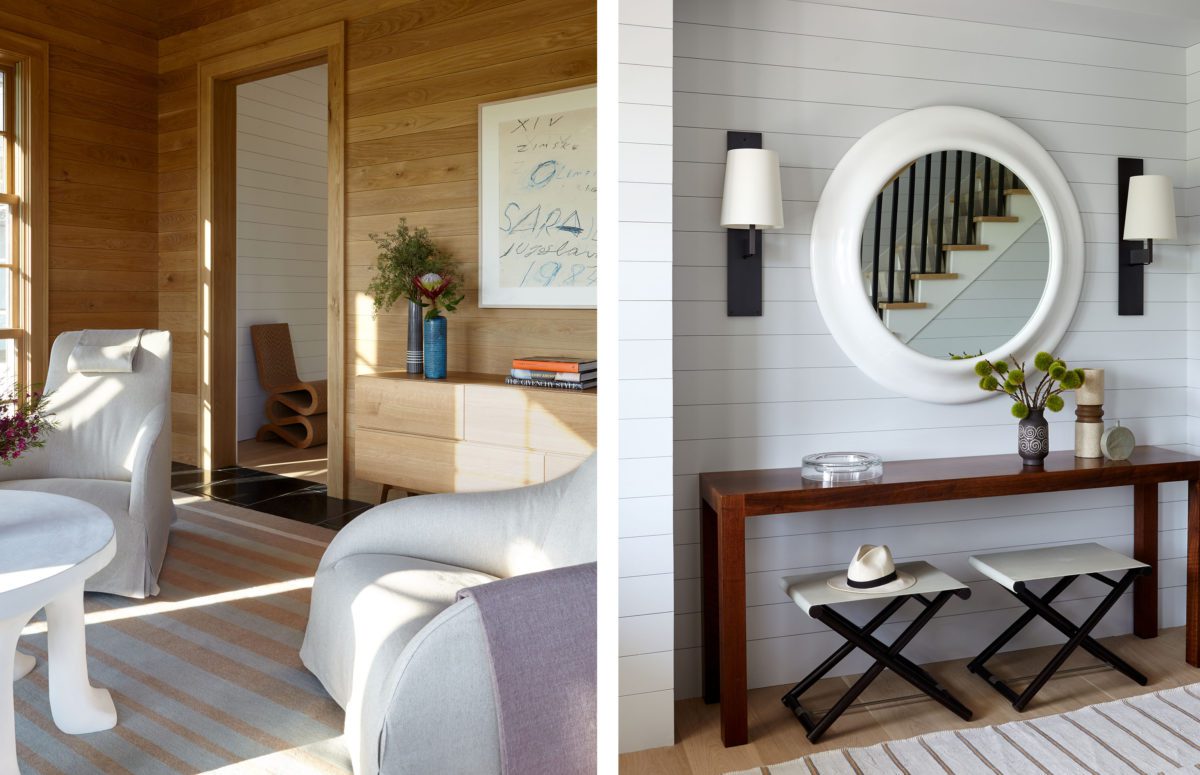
x=954, y=254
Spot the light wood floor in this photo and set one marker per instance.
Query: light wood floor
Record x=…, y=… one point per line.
x=888, y=709
x=284, y=459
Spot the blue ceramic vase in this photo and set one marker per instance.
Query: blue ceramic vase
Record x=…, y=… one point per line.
x=435, y=347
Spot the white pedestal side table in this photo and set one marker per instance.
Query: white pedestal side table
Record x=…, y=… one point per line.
x=50, y=545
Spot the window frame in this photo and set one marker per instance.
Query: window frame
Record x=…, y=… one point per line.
x=9, y=195
x=26, y=124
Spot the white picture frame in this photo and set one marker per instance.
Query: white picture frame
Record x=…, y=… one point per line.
x=537, y=201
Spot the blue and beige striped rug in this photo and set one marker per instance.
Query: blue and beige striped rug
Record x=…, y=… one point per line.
x=206, y=677
x=1144, y=735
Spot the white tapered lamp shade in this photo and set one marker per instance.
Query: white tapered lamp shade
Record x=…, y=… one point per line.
x=1150, y=208
x=753, y=197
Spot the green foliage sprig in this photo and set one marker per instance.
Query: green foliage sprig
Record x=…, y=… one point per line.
x=1014, y=381
x=406, y=255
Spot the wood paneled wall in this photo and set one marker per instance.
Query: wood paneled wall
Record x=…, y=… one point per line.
x=103, y=140
x=417, y=71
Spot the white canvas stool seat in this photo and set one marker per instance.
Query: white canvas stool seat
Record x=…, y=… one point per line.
x=813, y=594
x=1014, y=570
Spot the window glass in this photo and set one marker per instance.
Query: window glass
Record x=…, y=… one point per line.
x=8, y=365
x=6, y=297
x=6, y=235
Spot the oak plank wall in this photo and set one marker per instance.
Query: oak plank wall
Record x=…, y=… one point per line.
x=103, y=156
x=417, y=71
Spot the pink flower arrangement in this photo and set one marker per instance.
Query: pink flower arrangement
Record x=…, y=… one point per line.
x=24, y=422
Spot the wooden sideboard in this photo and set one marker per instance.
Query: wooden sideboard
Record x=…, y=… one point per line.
x=468, y=432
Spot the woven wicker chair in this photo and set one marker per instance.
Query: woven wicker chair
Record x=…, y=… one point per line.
x=295, y=409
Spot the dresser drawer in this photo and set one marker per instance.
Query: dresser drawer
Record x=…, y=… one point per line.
x=554, y=421
x=426, y=464
x=410, y=405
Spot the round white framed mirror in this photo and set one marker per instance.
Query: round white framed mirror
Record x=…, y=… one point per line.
x=889, y=326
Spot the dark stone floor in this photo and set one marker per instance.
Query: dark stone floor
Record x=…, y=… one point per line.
x=270, y=493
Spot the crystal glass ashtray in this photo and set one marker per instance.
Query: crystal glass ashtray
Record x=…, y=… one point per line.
x=842, y=467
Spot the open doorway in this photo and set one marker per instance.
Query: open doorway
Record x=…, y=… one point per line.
x=282, y=273
x=220, y=214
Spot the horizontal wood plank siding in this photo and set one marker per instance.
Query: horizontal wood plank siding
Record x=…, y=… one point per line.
x=103, y=161
x=416, y=74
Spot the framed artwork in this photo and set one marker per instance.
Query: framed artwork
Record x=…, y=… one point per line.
x=537, y=201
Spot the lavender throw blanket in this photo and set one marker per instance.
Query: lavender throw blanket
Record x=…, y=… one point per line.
x=541, y=636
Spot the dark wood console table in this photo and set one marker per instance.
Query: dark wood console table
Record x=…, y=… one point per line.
x=729, y=498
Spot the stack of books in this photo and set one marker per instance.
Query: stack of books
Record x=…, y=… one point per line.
x=553, y=371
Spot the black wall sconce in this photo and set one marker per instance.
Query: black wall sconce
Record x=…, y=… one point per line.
x=752, y=201
x=1145, y=212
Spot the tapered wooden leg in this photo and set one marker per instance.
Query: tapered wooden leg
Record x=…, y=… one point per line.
x=1192, y=650
x=731, y=575
x=710, y=614
x=1145, y=549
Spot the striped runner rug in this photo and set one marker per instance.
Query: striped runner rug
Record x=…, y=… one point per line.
x=206, y=677
x=1151, y=733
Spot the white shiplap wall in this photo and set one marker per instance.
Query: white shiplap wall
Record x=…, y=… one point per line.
x=763, y=392
x=1189, y=232
x=281, y=206
x=646, y=585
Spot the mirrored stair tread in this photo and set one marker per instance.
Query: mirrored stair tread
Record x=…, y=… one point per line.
x=813, y=589
x=1051, y=562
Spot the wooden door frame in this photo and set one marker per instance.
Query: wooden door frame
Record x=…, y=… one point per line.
x=216, y=242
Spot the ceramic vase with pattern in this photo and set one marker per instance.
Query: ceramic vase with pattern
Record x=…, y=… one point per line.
x=413, y=361
x=1033, y=438
x=435, y=347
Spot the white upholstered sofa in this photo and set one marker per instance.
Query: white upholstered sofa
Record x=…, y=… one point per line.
x=112, y=448
x=392, y=645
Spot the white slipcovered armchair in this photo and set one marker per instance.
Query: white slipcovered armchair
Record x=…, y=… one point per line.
x=389, y=641
x=112, y=448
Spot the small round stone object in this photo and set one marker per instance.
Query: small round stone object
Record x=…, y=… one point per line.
x=1117, y=443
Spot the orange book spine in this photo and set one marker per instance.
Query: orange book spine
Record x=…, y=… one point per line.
x=572, y=368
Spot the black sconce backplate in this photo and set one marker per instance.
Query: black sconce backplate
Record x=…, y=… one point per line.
x=1130, y=276
x=743, y=273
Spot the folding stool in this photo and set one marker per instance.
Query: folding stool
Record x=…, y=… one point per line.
x=933, y=589
x=1013, y=570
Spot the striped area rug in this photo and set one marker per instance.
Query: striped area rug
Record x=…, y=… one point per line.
x=1151, y=733
x=206, y=677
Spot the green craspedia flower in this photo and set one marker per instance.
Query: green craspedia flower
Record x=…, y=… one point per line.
x=1042, y=361
x=1010, y=388
x=1071, y=380
x=1054, y=403
x=1015, y=377
x=1057, y=371
x=1020, y=411
x=1079, y=373
x=983, y=368
x=1001, y=367
x=989, y=382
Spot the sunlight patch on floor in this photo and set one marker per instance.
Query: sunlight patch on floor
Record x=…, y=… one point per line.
x=161, y=607
x=314, y=758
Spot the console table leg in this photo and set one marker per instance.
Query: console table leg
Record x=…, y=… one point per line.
x=731, y=561
x=1192, y=650
x=1145, y=549
x=710, y=619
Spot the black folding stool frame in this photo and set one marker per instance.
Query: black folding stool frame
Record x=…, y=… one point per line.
x=1076, y=636
x=885, y=656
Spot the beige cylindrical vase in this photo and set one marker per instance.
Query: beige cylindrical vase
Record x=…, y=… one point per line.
x=1089, y=414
